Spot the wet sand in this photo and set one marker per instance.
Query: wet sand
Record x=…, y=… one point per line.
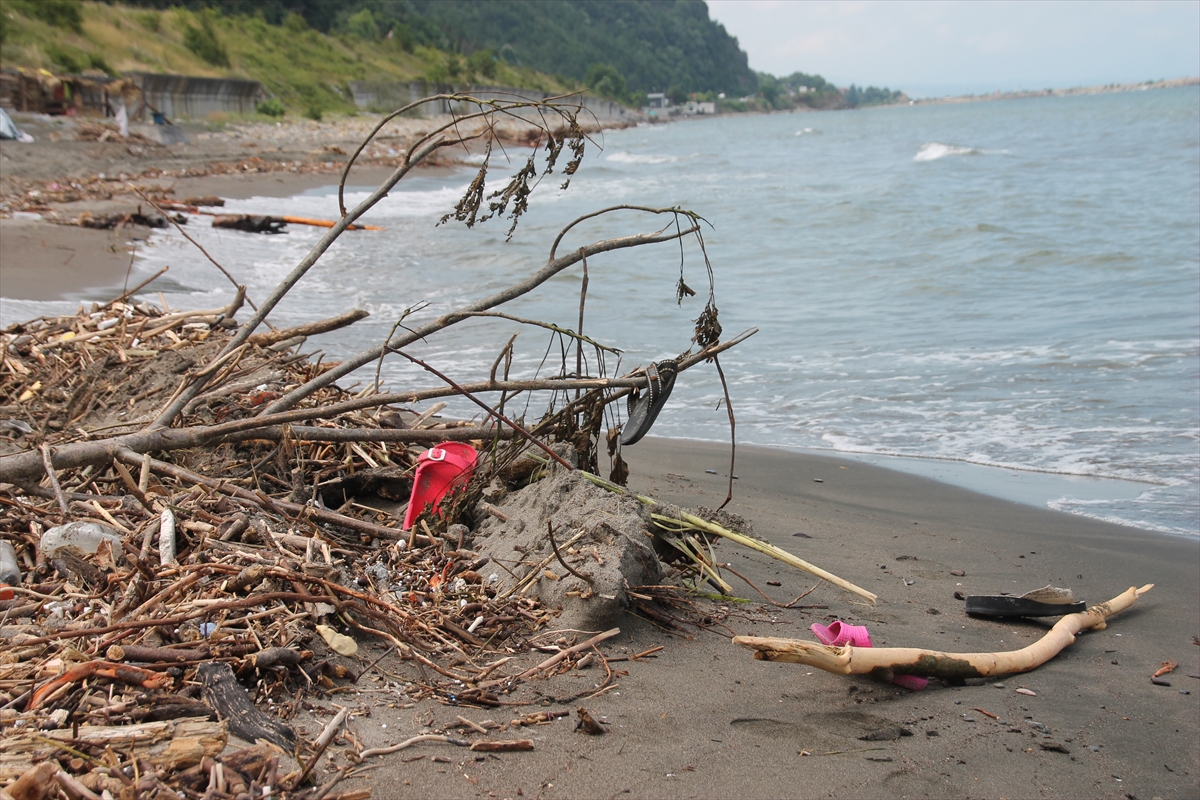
x=702, y=718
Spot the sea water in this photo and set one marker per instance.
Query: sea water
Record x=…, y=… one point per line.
x=1001, y=294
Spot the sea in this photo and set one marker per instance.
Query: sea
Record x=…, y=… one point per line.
x=1003, y=295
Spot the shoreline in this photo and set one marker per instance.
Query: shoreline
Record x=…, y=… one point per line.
x=105, y=261
x=1028, y=487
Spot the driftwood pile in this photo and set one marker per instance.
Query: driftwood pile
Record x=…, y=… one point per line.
x=233, y=516
x=225, y=563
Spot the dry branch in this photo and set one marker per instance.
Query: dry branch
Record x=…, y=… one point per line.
x=886, y=661
x=20, y=467
x=309, y=328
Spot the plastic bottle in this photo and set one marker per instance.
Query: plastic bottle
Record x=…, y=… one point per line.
x=10, y=571
x=86, y=536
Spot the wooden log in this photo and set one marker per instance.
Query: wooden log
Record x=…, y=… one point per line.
x=170, y=744
x=884, y=662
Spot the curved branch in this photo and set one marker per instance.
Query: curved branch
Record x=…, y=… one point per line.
x=934, y=664
x=551, y=269
x=180, y=402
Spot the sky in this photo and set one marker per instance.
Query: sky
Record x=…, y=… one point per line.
x=929, y=48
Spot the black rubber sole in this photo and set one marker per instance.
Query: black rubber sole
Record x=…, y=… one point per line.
x=644, y=406
x=984, y=605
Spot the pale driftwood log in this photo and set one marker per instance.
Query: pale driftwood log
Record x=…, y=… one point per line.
x=172, y=744
x=884, y=662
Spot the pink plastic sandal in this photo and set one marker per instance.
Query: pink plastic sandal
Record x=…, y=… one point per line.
x=440, y=470
x=839, y=634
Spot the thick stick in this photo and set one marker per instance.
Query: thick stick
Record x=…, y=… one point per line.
x=309, y=328
x=934, y=664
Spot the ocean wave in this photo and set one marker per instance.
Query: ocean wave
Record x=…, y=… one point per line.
x=396, y=204
x=932, y=151
x=808, y=132
x=625, y=157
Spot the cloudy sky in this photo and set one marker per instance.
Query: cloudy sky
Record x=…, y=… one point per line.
x=932, y=48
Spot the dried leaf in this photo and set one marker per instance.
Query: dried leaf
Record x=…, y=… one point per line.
x=338, y=642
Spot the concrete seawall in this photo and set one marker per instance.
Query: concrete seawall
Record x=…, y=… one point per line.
x=188, y=96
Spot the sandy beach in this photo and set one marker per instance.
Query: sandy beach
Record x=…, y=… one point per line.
x=701, y=717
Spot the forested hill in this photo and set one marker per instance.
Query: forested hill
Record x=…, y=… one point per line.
x=655, y=45
x=650, y=45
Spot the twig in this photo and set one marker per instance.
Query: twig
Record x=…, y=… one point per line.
x=179, y=228
x=579, y=342
x=1167, y=667
x=121, y=297
x=732, y=428
x=47, y=461
x=561, y=654
x=550, y=531
x=764, y=594
x=319, y=746
x=425, y=737
x=520, y=430
x=309, y=328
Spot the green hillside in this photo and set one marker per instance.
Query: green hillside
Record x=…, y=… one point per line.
x=655, y=45
x=307, y=70
x=306, y=52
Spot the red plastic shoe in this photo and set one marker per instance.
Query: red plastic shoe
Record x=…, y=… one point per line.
x=440, y=470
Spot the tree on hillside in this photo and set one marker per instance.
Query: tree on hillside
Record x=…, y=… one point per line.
x=653, y=44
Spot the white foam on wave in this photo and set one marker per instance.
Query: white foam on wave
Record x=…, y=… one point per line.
x=807, y=132
x=1070, y=505
x=396, y=204
x=624, y=157
x=932, y=151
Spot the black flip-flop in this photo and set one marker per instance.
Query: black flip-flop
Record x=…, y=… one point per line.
x=999, y=605
x=644, y=406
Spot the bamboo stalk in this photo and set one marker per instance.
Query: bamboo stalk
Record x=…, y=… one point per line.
x=883, y=661
x=771, y=550
x=763, y=547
